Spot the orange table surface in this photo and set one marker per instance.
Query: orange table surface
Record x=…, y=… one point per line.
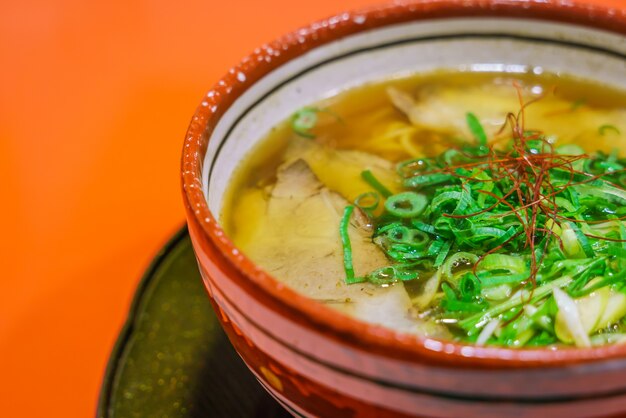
x=95, y=99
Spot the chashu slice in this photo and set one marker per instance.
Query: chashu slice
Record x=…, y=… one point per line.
x=340, y=170
x=444, y=110
x=299, y=244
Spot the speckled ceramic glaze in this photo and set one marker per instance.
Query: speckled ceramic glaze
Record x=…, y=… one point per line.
x=312, y=359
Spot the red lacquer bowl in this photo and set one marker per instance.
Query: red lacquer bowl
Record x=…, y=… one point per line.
x=312, y=359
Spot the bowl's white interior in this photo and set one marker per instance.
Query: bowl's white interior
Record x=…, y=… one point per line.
x=477, y=44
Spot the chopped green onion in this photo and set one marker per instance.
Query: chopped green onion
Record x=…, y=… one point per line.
x=406, y=205
x=369, y=177
x=476, y=128
x=604, y=129
x=347, y=248
x=443, y=253
x=439, y=202
x=582, y=239
x=489, y=280
x=452, y=302
x=367, y=201
x=306, y=118
x=424, y=180
x=455, y=260
x=303, y=121
x=403, y=235
x=429, y=229
x=502, y=262
x=469, y=286
x=391, y=274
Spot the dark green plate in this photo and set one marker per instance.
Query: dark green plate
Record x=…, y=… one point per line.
x=172, y=358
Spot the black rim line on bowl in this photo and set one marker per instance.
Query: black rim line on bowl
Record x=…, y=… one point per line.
x=115, y=358
x=460, y=36
x=128, y=328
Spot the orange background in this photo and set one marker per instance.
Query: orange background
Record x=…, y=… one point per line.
x=95, y=98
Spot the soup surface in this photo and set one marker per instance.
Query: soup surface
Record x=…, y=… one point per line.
x=478, y=207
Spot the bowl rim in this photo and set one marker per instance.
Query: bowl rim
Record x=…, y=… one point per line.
x=349, y=330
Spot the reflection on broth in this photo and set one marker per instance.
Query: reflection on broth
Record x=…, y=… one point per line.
x=468, y=206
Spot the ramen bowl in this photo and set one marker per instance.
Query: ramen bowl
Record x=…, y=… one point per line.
x=316, y=361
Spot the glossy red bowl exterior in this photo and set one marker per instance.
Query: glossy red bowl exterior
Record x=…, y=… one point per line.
x=317, y=362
